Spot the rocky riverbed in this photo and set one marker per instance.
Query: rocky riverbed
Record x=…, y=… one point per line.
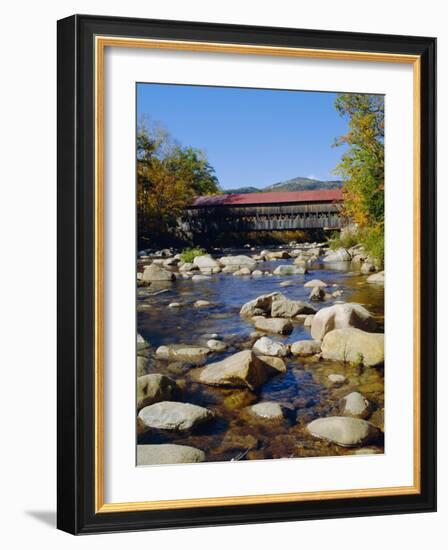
x=254, y=354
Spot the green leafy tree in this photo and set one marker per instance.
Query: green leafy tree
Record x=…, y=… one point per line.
x=168, y=177
x=362, y=167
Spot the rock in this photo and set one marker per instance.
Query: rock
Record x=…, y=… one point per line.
x=377, y=278
x=284, y=270
x=241, y=370
x=202, y=303
x=174, y=416
x=276, y=363
x=198, y=278
x=142, y=363
x=344, y=431
x=168, y=453
x=275, y=305
x=341, y=316
x=286, y=283
x=317, y=294
x=337, y=379
x=355, y=404
x=355, y=346
x=275, y=325
x=266, y=346
x=276, y=255
x=156, y=273
x=367, y=267
x=337, y=293
x=268, y=410
x=153, y=388
x=339, y=255
x=188, y=267
x=259, y=306
x=257, y=273
x=315, y=282
x=238, y=262
x=283, y=307
x=171, y=262
x=142, y=344
x=303, y=348
x=216, y=345
x=175, y=304
x=308, y=321
x=205, y=262
x=244, y=271
x=180, y=352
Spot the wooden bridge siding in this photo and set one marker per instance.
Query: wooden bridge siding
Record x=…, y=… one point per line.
x=262, y=218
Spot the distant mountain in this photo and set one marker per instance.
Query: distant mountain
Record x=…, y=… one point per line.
x=294, y=184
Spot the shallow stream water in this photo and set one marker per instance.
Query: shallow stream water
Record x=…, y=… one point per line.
x=303, y=391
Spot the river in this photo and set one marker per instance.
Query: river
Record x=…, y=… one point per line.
x=304, y=391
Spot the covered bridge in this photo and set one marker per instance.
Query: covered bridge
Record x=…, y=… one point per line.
x=276, y=211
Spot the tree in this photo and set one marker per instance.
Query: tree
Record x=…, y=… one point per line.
x=168, y=177
x=362, y=167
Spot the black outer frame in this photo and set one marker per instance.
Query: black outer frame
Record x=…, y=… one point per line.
x=75, y=404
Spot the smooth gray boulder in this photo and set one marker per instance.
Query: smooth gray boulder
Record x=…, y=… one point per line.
x=276, y=325
x=237, y=262
x=354, y=346
x=303, y=348
x=241, y=370
x=174, y=416
x=266, y=346
x=183, y=352
x=205, y=262
x=376, y=278
x=154, y=272
x=168, y=454
x=339, y=255
x=341, y=316
x=216, y=345
x=344, y=431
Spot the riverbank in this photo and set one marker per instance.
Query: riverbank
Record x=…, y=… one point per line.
x=263, y=382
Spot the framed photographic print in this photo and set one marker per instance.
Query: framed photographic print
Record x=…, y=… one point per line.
x=246, y=269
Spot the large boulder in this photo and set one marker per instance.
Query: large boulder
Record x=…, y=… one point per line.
x=276, y=255
x=339, y=255
x=377, y=278
x=205, y=262
x=259, y=306
x=276, y=364
x=355, y=346
x=276, y=325
x=174, y=416
x=183, y=352
x=154, y=272
x=344, y=431
x=237, y=262
x=341, y=316
x=283, y=307
x=266, y=346
x=168, y=453
x=303, y=348
x=284, y=270
x=275, y=304
x=241, y=370
x=153, y=388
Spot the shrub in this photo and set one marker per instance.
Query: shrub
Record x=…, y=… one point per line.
x=189, y=254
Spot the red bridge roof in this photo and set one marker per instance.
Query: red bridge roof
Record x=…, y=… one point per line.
x=276, y=197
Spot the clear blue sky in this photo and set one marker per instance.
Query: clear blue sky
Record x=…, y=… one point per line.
x=251, y=137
